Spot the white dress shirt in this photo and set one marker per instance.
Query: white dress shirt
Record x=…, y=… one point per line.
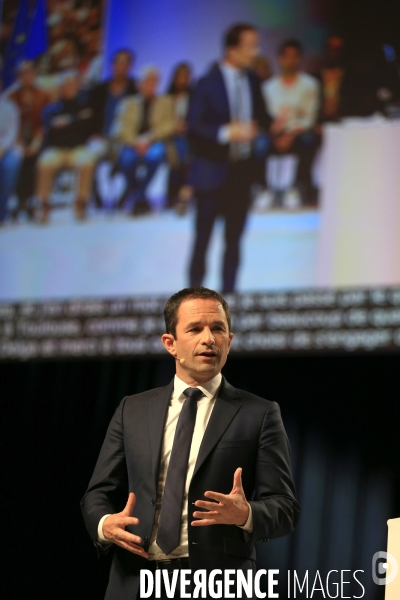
x=240, y=106
x=238, y=91
x=182, y=106
x=205, y=407
x=297, y=102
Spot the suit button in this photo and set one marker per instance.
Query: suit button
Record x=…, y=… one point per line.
x=153, y=502
x=145, y=540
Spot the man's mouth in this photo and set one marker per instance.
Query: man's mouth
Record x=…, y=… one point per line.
x=207, y=354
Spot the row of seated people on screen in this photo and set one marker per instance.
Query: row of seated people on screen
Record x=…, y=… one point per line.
x=122, y=122
x=359, y=83
x=124, y=127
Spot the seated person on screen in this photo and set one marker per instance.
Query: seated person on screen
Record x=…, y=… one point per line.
x=180, y=89
x=106, y=96
x=91, y=65
x=145, y=123
x=330, y=77
x=68, y=125
x=31, y=102
x=63, y=50
x=10, y=154
x=292, y=99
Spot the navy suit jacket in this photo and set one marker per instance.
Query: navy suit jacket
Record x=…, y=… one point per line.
x=243, y=431
x=208, y=111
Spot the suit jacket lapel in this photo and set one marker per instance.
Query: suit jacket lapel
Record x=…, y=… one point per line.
x=157, y=413
x=226, y=406
x=250, y=81
x=222, y=92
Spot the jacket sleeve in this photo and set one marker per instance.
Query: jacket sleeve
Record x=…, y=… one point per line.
x=199, y=122
x=164, y=120
x=107, y=492
x=275, y=508
x=125, y=126
x=261, y=115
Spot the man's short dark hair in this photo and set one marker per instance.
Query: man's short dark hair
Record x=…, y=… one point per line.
x=174, y=302
x=292, y=43
x=234, y=33
x=127, y=51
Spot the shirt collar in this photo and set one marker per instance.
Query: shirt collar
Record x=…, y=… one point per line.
x=209, y=389
x=230, y=70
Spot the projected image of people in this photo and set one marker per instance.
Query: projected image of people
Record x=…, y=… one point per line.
x=155, y=152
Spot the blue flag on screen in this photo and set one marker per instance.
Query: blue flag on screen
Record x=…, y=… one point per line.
x=17, y=44
x=38, y=39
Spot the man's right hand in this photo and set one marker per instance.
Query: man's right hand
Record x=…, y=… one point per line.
x=242, y=131
x=114, y=529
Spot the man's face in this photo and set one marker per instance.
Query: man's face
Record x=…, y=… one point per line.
x=202, y=339
x=182, y=78
x=122, y=65
x=247, y=50
x=149, y=85
x=27, y=76
x=289, y=60
x=69, y=88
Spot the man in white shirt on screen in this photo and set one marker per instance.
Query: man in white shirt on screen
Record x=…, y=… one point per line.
x=292, y=99
x=194, y=474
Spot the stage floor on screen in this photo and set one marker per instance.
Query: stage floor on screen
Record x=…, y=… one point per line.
x=113, y=254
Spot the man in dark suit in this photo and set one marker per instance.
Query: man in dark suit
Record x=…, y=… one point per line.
x=174, y=452
x=107, y=96
x=226, y=121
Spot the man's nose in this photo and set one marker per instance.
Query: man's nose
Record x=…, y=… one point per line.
x=208, y=337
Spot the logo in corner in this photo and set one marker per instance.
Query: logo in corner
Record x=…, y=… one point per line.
x=381, y=561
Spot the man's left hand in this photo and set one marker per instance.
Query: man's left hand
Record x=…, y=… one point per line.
x=229, y=509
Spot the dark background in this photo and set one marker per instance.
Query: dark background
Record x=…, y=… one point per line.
x=365, y=22
x=55, y=415
x=341, y=412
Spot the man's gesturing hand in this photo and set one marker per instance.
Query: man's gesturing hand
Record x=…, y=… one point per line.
x=230, y=509
x=114, y=529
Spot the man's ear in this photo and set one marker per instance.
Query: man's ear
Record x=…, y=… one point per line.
x=168, y=342
x=230, y=341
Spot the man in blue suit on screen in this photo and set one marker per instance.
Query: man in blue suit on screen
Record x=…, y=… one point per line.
x=191, y=476
x=228, y=126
